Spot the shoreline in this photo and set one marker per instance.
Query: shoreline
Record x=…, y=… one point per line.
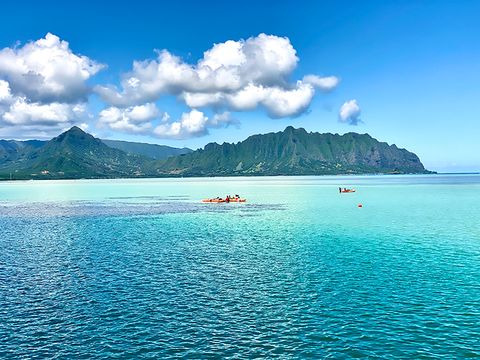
x=238, y=177
x=39, y=178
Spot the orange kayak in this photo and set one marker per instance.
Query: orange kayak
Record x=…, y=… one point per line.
x=348, y=191
x=213, y=200
x=222, y=200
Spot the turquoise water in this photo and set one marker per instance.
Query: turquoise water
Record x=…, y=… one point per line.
x=142, y=269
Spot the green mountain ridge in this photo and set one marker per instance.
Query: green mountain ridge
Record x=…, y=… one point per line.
x=77, y=154
x=12, y=149
x=295, y=152
x=152, y=151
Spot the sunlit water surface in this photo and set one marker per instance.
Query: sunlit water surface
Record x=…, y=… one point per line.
x=143, y=269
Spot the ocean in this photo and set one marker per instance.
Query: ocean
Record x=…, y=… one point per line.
x=142, y=268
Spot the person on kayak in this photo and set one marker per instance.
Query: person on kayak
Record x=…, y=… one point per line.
x=227, y=199
x=340, y=190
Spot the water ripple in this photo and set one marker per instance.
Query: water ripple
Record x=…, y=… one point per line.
x=156, y=278
x=127, y=208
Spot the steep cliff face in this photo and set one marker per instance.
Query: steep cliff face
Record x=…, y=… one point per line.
x=76, y=154
x=295, y=152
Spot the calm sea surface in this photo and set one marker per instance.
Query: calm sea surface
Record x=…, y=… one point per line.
x=143, y=269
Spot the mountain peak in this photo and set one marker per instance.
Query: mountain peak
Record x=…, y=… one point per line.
x=75, y=154
x=75, y=130
x=290, y=129
x=295, y=151
x=74, y=136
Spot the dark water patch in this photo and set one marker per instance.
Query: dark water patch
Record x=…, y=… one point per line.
x=151, y=197
x=113, y=208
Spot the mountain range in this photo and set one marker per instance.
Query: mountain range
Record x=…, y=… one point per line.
x=295, y=152
x=152, y=151
x=77, y=154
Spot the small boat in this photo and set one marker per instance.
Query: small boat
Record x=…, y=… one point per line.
x=220, y=200
x=213, y=200
x=237, y=200
x=347, y=190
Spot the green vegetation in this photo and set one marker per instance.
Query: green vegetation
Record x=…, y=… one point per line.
x=73, y=154
x=76, y=154
x=152, y=151
x=295, y=152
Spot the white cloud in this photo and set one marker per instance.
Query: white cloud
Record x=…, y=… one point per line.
x=229, y=66
x=227, y=54
x=135, y=119
x=148, y=119
x=195, y=100
x=36, y=131
x=248, y=97
x=165, y=117
x=350, y=112
x=327, y=83
x=5, y=93
x=192, y=124
x=25, y=120
x=19, y=117
x=142, y=113
x=224, y=119
x=47, y=70
x=234, y=75
x=282, y=103
x=43, y=86
x=278, y=101
x=21, y=112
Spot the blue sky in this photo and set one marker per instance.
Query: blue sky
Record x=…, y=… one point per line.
x=412, y=67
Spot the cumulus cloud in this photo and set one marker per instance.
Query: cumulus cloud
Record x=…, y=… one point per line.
x=43, y=85
x=192, y=124
x=277, y=101
x=23, y=119
x=135, y=119
x=350, y=112
x=233, y=75
x=5, y=93
x=148, y=119
x=47, y=70
x=21, y=112
x=326, y=84
x=225, y=67
x=282, y=103
x=36, y=131
x=20, y=118
x=224, y=119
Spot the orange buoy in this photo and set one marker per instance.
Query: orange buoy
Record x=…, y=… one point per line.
x=360, y=205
